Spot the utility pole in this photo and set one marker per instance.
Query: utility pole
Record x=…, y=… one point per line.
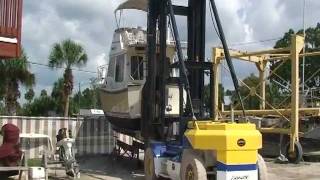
x=304, y=51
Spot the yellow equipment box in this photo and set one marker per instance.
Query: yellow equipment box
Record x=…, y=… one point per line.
x=236, y=146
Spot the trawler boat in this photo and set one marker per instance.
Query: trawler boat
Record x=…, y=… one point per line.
x=121, y=91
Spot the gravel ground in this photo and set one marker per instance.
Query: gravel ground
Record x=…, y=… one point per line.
x=302, y=171
x=107, y=168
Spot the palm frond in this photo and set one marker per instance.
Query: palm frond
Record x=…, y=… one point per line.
x=56, y=57
x=68, y=53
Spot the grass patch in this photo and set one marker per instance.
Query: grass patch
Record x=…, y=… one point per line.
x=34, y=162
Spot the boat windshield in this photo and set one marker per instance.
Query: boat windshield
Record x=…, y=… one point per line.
x=137, y=67
x=119, y=68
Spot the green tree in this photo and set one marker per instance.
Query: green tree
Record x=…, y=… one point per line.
x=29, y=95
x=88, y=99
x=252, y=101
x=312, y=40
x=57, y=96
x=40, y=106
x=13, y=73
x=67, y=53
x=58, y=99
x=43, y=93
x=274, y=96
x=208, y=101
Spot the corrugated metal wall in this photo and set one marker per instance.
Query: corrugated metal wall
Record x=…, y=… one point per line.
x=93, y=135
x=10, y=17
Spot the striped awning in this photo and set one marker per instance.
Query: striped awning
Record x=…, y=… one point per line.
x=134, y=4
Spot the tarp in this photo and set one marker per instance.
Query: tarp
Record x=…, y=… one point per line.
x=134, y=4
x=10, y=152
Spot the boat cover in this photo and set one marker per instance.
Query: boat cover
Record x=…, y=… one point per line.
x=134, y=4
x=10, y=152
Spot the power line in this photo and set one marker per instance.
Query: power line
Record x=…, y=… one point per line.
x=213, y=23
x=46, y=65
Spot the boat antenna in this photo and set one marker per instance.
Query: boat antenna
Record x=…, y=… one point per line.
x=116, y=18
x=118, y=21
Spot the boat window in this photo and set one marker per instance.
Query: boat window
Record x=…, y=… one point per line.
x=137, y=67
x=111, y=67
x=119, y=68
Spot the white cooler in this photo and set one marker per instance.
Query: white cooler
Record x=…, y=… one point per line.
x=37, y=173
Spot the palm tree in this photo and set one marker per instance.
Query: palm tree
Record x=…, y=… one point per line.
x=14, y=72
x=67, y=54
x=57, y=95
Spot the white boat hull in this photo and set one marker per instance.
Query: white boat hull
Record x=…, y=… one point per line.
x=123, y=108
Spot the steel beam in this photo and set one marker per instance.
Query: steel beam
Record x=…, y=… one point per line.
x=287, y=56
x=265, y=52
x=261, y=66
x=149, y=90
x=196, y=50
x=285, y=112
x=163, y=73
x=242, y=56
x=296, y=47
x=216, y=53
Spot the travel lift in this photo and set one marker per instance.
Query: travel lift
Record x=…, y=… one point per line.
x=200, y=148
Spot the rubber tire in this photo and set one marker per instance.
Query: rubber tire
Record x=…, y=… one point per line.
x=262, y=168
x=192, y=161
x=298, y=153
x=149, y=168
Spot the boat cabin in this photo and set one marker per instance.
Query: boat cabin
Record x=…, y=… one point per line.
x=121, y=91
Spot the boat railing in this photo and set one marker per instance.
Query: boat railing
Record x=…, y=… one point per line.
x=102, y=72
x=136, y=40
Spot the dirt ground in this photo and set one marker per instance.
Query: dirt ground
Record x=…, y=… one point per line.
x=107, y=168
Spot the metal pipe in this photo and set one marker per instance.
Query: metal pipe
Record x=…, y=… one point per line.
x=232, y=113
x=162, y=62
x=304, y=51
x=227, y=54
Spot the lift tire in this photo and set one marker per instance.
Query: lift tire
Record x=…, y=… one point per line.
x=262, y=168
x=295, y=157
x=192, y=167
x=149, y=168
